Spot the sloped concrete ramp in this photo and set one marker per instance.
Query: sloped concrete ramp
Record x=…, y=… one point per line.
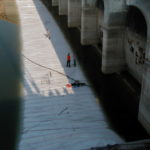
x=56, y=117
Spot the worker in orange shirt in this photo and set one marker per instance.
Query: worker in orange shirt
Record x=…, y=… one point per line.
x=68, y=60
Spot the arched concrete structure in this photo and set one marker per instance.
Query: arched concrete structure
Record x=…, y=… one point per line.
x=144, y=111
x=143, y=6
x=135, y=42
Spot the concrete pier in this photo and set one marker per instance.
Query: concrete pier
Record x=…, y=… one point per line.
x=74, y=13
x=113, y=45
x=55, y=2
x=89, y=26
x=63, y=7
x=113, y=58
x=144, y=106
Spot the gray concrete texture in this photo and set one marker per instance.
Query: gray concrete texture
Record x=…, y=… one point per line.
x=89, y=26
x=63, y=7
x=55, y=2
x=74, y=13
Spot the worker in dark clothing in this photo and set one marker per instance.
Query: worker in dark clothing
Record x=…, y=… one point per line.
x=78, y=84
x=68, y=60
x=74, y=62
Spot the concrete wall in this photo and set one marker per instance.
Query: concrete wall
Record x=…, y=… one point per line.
x=113, y=59
x=144, y=107
x=135, y=49
x=55, y=2
x=74, y=13
x=63, y=7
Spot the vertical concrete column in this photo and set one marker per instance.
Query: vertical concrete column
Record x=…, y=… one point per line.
x=63, y=7
x=89, y=23
x=144, y=107
x=113, y=58
x=55, y=2
x=74, y=13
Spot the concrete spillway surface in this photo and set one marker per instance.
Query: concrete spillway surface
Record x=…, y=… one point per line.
x=56, y=117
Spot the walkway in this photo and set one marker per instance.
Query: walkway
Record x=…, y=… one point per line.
x=56, y=117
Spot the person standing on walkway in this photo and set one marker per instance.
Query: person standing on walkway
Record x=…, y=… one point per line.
x=68, y=60
x=74, y=61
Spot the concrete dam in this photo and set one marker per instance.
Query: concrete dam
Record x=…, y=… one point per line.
x=109, y=40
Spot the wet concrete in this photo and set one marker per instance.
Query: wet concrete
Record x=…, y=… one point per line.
x=119, y=93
